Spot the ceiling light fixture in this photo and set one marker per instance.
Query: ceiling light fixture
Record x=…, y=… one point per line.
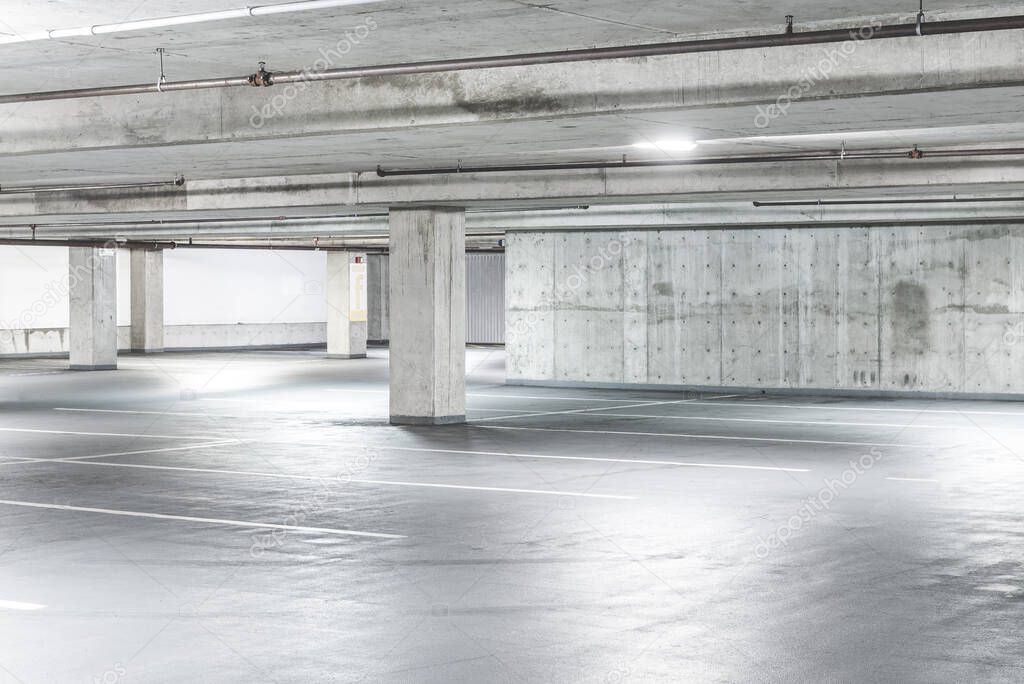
x=668, y=145
x=182, y=19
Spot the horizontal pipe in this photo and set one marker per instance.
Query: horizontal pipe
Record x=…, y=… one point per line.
x=262, y=79
x=264, y=247
x=157, y=223
x=703, y=161
x=87, y=242
x=627, y=164
x=24, y=190
x=158, y=244
x=882, y=201
x=1016, y=221
x=172, y=244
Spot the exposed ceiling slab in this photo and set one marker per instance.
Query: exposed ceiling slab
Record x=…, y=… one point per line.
x=935, y=92
x=456, y=28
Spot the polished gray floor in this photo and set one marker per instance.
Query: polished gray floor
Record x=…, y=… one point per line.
x=561, y=536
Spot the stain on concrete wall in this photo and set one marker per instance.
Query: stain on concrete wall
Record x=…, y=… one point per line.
x=911, y=319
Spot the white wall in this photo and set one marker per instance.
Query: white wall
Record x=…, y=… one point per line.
x=243, y=286
x=34, y=287
x=213, y=298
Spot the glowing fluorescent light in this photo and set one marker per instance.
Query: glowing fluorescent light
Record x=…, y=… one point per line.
x=182, y=19
x=25, y=38
x=18, y=605
x=304, y=6
x=143, y=24
x=70, y=33
x=674, y=145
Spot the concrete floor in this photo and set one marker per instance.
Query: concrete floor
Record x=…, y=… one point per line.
x=562, y=536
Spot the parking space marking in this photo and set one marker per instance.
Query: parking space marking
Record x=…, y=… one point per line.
x=189, y=518
x=139, y=413
x=347, y=480
x=587, y=410
x=105, y=434
x=818, y=407
x=902, y=426
x=191, y=447
x=599, y=459
x=714, y=437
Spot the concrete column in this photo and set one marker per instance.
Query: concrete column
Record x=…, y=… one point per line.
x=346, y=305
x=428, y=316
x=93, y=297
x=147, y=301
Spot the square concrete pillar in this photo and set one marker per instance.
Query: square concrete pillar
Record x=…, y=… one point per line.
x=147, y=301
x=92, y=286
x=428, y=316
x=346, y=305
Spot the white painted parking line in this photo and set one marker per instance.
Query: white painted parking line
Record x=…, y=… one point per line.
x=252, y=401
x=534, y=397
x=911, y=479
x=271, y=408
x=19, y=461
x=517, y=396
x=523, y=396
x=817, y=407
x=106, y=434
x=211, y=521
x=828, y=423
x=190, y=447
x=681, y=464
x=139, y=413
x=714, y=437
x=586, y=410
x=346, y=480
x=20, y=605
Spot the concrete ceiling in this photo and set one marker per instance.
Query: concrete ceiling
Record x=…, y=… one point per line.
x=406, y=31
x=413, y=31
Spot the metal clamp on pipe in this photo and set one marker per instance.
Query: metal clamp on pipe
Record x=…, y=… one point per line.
x=262, y=78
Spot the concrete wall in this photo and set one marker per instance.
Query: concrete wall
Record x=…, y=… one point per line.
x=929, y=310
x=378, y=312
x=485, y=298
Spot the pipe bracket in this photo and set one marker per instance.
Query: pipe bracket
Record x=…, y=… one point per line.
x=262, y=78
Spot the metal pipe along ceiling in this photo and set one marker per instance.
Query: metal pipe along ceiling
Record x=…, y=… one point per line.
x=914, y=154
x=153, y=245
x=24, y=190
x=263, y=78
x=161, y=244
x=883, y=201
